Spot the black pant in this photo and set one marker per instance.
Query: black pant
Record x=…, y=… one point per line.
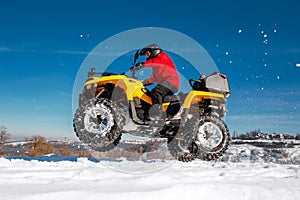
x=158, y=93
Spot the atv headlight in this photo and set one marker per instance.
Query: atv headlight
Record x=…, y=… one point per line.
x=91, y=86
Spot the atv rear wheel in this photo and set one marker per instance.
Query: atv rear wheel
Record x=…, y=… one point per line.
x=207, y=137
x=98, y=123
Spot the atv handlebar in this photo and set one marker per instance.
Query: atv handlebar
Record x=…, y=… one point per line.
x=133, y=74
x=136, y=56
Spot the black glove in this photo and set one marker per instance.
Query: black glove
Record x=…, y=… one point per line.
x=137, y=67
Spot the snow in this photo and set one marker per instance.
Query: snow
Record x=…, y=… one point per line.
x=298, y=65
x=84, y=35
x=238, y=175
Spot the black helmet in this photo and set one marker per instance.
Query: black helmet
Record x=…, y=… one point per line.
x=154, y=50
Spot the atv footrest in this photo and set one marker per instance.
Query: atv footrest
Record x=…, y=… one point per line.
x=171, y=98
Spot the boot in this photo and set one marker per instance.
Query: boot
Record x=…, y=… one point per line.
x=155, y=112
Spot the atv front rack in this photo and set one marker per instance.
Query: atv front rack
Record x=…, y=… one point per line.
x=93, y=72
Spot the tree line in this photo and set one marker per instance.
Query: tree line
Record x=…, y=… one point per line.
x=39, y=146
x=257, y=134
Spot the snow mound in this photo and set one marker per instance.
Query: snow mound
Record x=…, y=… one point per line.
x=245, y=171
x=86, y=179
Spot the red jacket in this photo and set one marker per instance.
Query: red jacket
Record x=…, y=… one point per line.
x=164, y=71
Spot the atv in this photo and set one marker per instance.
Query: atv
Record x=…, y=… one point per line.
x=110, y=103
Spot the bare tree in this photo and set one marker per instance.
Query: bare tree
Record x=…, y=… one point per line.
x=4, y=136
x=40, y=146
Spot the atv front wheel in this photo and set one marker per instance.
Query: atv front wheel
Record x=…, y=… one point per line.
x=98, y=123
x=208, y=137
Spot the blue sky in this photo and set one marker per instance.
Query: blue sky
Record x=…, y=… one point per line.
x=43, y=44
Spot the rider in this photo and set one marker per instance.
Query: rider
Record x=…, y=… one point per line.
x=164, y=73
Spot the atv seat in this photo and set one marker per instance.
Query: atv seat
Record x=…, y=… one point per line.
x=171, y=98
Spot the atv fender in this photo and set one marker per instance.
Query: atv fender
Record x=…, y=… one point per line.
x=196, y=96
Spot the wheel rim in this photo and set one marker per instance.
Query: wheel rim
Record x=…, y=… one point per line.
x=98, y=120
x=209, y=135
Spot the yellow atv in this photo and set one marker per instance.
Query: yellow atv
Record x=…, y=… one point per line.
x=111, y=104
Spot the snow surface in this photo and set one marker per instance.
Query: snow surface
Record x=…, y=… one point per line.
x=56, y=177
